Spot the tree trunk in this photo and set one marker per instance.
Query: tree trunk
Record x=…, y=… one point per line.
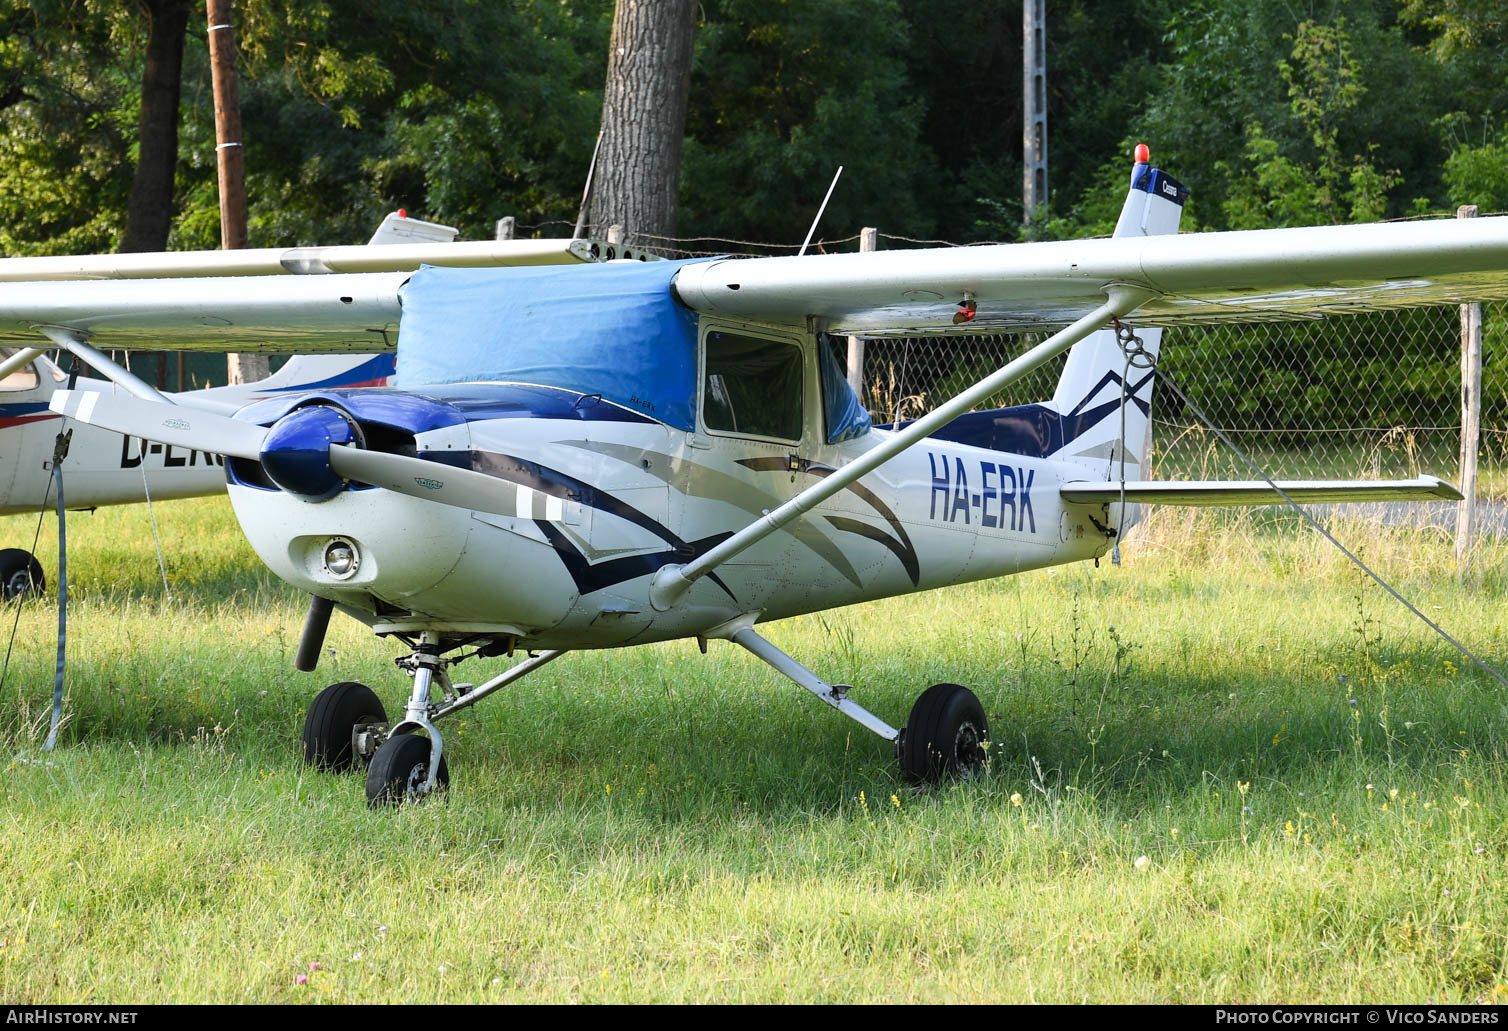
x=149, y=212
x=644, y=118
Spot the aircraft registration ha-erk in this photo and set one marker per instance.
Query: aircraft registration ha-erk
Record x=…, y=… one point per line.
x=610, y=455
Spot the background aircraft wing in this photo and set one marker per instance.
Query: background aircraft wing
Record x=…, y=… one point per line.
x=391, y=255
x=283, y=314
x=1195, y=277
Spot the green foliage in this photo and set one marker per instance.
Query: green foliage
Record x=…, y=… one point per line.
x=1479, y=175
x=782, y=94
x=1273, y=113
x=68, y=115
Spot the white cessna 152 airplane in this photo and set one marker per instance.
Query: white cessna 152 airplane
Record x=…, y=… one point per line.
x=622, y=453
x=105, y=468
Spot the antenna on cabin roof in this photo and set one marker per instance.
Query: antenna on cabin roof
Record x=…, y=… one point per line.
x=821, y=209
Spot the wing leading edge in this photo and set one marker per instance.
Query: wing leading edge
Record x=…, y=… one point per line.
x=1194, y=277
x=286, y=314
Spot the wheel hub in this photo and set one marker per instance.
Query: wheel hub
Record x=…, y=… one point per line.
x=413, y=786
x=18, y=584
x=968, y=751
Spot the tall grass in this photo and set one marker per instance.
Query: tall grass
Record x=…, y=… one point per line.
x=1229, y=769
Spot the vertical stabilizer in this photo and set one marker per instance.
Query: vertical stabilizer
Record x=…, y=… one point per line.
x=1088, y=397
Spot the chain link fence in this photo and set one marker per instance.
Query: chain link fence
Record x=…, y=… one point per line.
x=1361, y=396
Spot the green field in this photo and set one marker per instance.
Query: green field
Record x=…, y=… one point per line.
x=1226, y=771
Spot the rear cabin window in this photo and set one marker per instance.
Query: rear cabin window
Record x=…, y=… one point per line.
x=753, y=386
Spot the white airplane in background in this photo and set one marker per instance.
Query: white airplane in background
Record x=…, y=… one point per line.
x=623, y=453
x=104, y=468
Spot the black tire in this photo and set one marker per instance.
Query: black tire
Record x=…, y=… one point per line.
x=20, y=574
x=336, y=711
x=399, y=770
x=946, y=736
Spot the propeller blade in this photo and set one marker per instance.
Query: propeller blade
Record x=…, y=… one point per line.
x=178, y=425
x=187, y=427
x=446, y=484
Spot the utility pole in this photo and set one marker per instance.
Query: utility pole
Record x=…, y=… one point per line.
x=230, y=159
x=1034, y=108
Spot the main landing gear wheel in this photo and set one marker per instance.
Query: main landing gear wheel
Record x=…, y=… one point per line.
x=946, y=736
x=20, y=574
x=337, y=711
x=399, y=770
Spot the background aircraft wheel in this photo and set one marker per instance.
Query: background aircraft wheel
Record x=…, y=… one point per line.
x=946, y=736
x=335, y=713
x=20, y=574
x=399, y=769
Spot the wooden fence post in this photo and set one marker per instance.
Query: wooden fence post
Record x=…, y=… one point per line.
x=868, y=241
x=506, y=227
x=1471, y=422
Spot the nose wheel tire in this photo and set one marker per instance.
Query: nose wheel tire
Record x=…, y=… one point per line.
x=20, y=574
x=946, y=736
x=335, y=713
x=399, y=770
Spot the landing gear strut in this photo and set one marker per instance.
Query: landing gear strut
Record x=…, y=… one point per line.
x=347, y=723
x=946, y=736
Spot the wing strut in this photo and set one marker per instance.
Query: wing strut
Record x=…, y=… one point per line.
x=72, y=341
x=20, y=360
x=672, y=581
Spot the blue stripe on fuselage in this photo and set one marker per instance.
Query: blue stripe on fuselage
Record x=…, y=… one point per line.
x=377, y=367
x=1035, y=431
x=451, y=405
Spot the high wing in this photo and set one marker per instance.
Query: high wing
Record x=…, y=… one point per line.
x=309, y=299
x=1204, y=277
x=1198, y=277
x=274, y=261
x=291, y=314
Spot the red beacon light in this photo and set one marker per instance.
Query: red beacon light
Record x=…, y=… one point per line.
x=1143, y=155
x=403, y=212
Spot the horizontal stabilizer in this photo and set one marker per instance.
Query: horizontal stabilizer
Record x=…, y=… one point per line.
x=1223, y=493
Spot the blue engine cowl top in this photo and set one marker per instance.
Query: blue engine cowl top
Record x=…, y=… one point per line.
x=296, y=453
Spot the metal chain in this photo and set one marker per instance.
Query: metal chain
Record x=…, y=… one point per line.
x=1137, y=356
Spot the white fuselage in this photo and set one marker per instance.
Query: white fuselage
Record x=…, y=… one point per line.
x=573, y=569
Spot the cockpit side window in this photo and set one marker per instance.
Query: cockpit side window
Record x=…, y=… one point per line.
x=753, y=387
x=24, y=378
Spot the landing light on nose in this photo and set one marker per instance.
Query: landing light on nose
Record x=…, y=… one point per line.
x=341, y=558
